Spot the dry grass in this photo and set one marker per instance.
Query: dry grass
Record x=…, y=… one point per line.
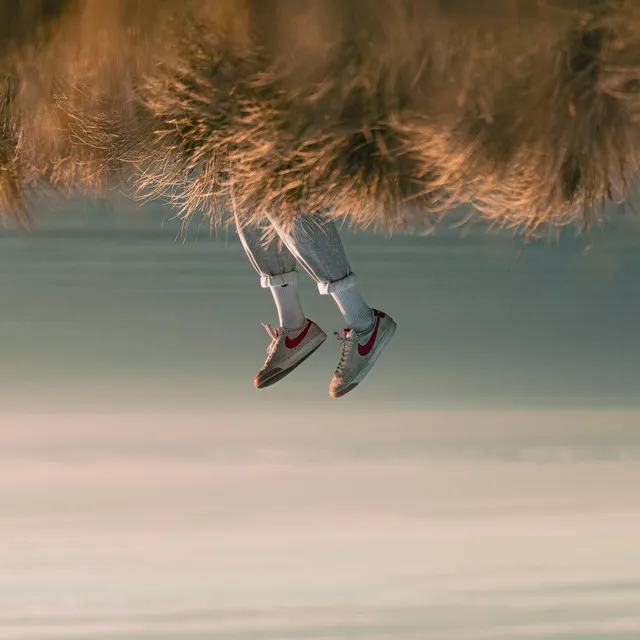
x=389, y=112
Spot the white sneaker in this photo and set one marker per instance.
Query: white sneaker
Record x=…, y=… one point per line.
x=289, y=349
x=360, y=352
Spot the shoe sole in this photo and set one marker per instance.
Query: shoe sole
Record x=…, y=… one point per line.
x=339, y=394
x=275, y=375
x=385, y=340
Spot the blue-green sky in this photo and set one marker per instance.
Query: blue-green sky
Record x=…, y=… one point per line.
x=106, y=305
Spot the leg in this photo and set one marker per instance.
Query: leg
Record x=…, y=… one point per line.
x=277, y=269
x=316, y=245
x=297, y=338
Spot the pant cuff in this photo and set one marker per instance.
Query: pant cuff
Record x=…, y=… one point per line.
x=269, y=282
x=327, y=288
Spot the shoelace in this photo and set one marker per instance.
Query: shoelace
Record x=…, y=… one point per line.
x=348, y=340
x=275, y=336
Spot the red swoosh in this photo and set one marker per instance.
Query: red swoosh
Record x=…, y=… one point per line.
x=365, y=350
x=296, y=342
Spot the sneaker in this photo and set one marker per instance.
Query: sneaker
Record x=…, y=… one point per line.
x=289, y=348
x=360, y=352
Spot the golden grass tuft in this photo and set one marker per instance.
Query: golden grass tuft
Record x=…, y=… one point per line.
x=388, y=112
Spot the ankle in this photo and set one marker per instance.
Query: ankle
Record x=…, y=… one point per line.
x=290, y=313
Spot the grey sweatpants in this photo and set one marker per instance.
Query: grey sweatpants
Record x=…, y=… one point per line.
x=312, y=240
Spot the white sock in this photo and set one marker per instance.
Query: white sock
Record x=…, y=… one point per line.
x=356, y=312
x=289, y=306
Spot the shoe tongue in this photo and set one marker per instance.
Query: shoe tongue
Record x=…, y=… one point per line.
x=346, y=332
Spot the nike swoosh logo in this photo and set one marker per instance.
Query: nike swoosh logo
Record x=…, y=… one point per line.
x=365, y=349
x=296, y=342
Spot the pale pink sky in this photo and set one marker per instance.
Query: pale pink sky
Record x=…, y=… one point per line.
x=481, y=525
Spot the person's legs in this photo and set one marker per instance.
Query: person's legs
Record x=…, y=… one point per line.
x=315, y=242
x=297, y=337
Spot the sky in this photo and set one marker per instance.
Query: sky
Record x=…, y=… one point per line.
x=107, y=307
x=478, y=526
x=481, y=484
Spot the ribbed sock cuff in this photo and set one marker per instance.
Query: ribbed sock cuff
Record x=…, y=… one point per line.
x=287, y=299
x=356, y=312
